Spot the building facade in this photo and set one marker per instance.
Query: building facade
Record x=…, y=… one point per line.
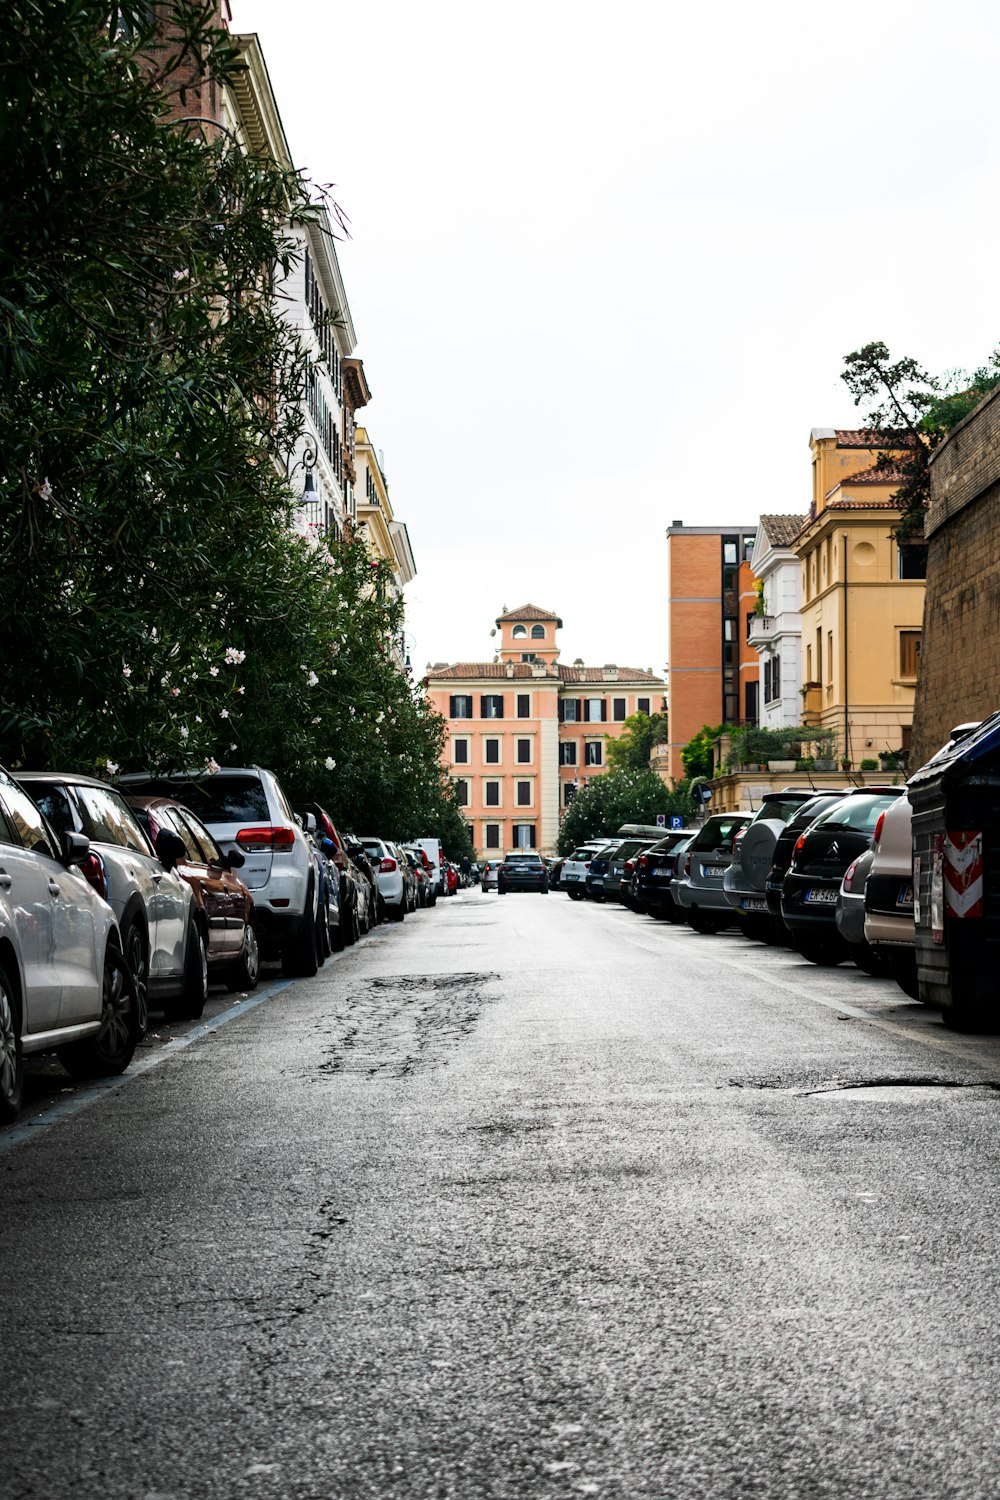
x=775, y=630
x=862, y=601
x=525, y=733
x=712, y=674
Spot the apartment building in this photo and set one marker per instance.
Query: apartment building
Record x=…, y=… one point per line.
x=775, y=628
x=713, y=672
x=525, y=732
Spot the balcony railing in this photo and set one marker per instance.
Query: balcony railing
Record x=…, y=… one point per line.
x=762, y=629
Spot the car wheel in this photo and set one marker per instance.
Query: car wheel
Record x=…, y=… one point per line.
x=298, y=955
x=189, y=1004
x=110, y=1051
x=338, y=939
x=135, y=947
x=321, y=940
x=824, y=949
x=246, y=971
x=903, y=963
x=11, y=1059
x=866, y=958
x=757, y=929
x=699, y=921
x=397, y=913
x=349, y=919
x=575, y=895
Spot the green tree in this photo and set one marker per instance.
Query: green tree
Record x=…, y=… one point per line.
x=696, y=756
x=617, y=797
x=632, y=749
x=909, y=413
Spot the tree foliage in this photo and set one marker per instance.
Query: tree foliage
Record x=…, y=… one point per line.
x=696, y=756
x=908, y=414
x=617, y=797
x=634, y=746
x=160, y=608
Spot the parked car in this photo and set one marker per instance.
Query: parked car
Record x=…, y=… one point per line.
x=573, y=878
x=164, y=939
x=753, y=855
x=597, y=874
x=224, y=902
x=329, y=925
x=420, y=881
x=522, y=871
x=489, y=876
x=849, y=916
x=429, y=881
x=654, y=869
x=246, y=809
x=64, y=983
x=785, y=845
x=344, y=923
x=822, y=853
x=368, y=900
x=450, y=878
x=697, y=885
x=432, y=851
x=623, y=852
x=889, y=911
x=389, y=873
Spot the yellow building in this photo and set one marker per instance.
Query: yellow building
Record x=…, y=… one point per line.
x=862, y=601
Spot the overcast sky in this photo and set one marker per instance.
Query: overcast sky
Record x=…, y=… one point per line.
x=606, y=261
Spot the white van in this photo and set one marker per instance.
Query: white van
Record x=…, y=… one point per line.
x=432, y=848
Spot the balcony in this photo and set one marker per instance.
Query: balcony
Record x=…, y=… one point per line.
x=763, y=629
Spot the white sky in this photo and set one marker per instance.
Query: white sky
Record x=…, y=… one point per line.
x=606, y=261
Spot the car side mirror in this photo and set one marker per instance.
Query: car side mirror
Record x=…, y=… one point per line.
x=169, y=847
x=328, y=847
x=234, y=860
x=308, y=821
x=76, y=847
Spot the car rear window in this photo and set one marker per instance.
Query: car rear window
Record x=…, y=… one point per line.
x=717, y=834
x=859, y=813
x=224, y=799
x=107, y=819
x=523, y=859
x=582, y=854
x=777, y=809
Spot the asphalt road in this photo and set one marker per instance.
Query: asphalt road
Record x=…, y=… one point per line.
x=524, y=1198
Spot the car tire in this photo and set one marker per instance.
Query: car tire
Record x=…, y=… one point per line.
x=699, y=921
x=11, y=1055
x=397, y=913
x=352, y=931
x=903, y=964
x=189, y=1004
x=757, y=929
x=320, y=940
x=866, y=958
x=575, y=895
x=245, y=973
x=338, y=938
x=135, y=947
x=110, y=1051
x=825, y=949
x=298, y=954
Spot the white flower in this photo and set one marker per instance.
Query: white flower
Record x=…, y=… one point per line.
x=184, y=731
x=232, y=747
x=330, y=763
x=241, y=689
x=111, y=767
x=317, y=719
x=211, y=766
x=213, y=671
x=45, y=490
x=312, y=680
x=126, y=669
x=234, y=657
x=197, y=718
x=224, y=713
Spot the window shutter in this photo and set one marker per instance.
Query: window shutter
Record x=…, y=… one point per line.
x=579, y=710
x=561, y=710
x=604, y=710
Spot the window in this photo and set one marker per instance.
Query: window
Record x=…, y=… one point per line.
x=767, y=681
x=751, y=616
x=567, y=753
x=491, y=706
x=524, y=752
x=29, y=825
x=519, y=633
x=597, y=710
x=491, y=752
x=524, y=794
x=460, y=752
x=594, y=753
x=909, y=653
x=462, y=793
x=491, y=793
x=570, y=710
x=538, y=632
x=912, y=560
x=750, y=693
x=829, y=656
x=528, y=656
x=460, y=706
x=618, y=710
x=642, y=705
x=729, y=552
x=569, y=792
x=492, y=839
x=524, y=835
x=524, y=705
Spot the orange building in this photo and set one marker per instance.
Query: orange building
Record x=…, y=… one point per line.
x=713, y=675
x=525, y=732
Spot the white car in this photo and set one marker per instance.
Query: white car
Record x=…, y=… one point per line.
x=489, y=880
x=386, y=861
x=63, y=981
x=156, y=911
x=573, y=876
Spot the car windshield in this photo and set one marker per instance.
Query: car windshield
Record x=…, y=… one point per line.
x=718, y=832
x=859, y=813
x=777, y=809
x=108, y=820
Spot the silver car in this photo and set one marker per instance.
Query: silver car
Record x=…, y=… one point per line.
x=63, y=981
x=388, y=863
x=698, y=886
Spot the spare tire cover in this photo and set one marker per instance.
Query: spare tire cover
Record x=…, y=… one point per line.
x=757, y=853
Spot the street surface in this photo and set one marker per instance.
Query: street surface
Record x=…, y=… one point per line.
x=522, y=1198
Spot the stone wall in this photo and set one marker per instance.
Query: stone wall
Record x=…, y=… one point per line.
x=960, y=646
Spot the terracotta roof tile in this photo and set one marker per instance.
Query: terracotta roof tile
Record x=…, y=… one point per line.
x=859, y=438
x=863, y=505
x=529, y=612
x=522, y=670
x=596, y=674
x=782, y=530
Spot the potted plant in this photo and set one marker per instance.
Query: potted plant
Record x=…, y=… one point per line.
x=869, y=765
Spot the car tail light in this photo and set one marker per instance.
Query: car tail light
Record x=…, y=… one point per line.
x=254, y=839
x=687, y=865
x=643, y=861
x=94, y=873
x=878, y=829
x=586, y=864
x=386, y=865
x=629, y=866
x=849, y=875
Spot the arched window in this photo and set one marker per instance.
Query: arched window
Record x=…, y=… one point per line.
x=519, y=632
x=538, y=632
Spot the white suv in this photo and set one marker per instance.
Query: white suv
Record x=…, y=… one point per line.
x=246, y=809
x=63, y=981
x=386, y=862
x=573, y=875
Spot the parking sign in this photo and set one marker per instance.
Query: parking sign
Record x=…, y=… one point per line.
x=661, y=820
x=676, y=822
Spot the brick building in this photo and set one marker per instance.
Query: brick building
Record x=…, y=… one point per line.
x=525, y=732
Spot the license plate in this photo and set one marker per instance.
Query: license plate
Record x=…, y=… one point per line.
x=708, y=871
x=753, y=903
x=821, y=898
x=905, y=897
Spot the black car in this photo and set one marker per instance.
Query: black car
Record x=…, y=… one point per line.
x=822, y=853
x=615, y=888
x=522, y=872
x=654, y=870
x=597, y=874
x=787, y=839
x=753, y=855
